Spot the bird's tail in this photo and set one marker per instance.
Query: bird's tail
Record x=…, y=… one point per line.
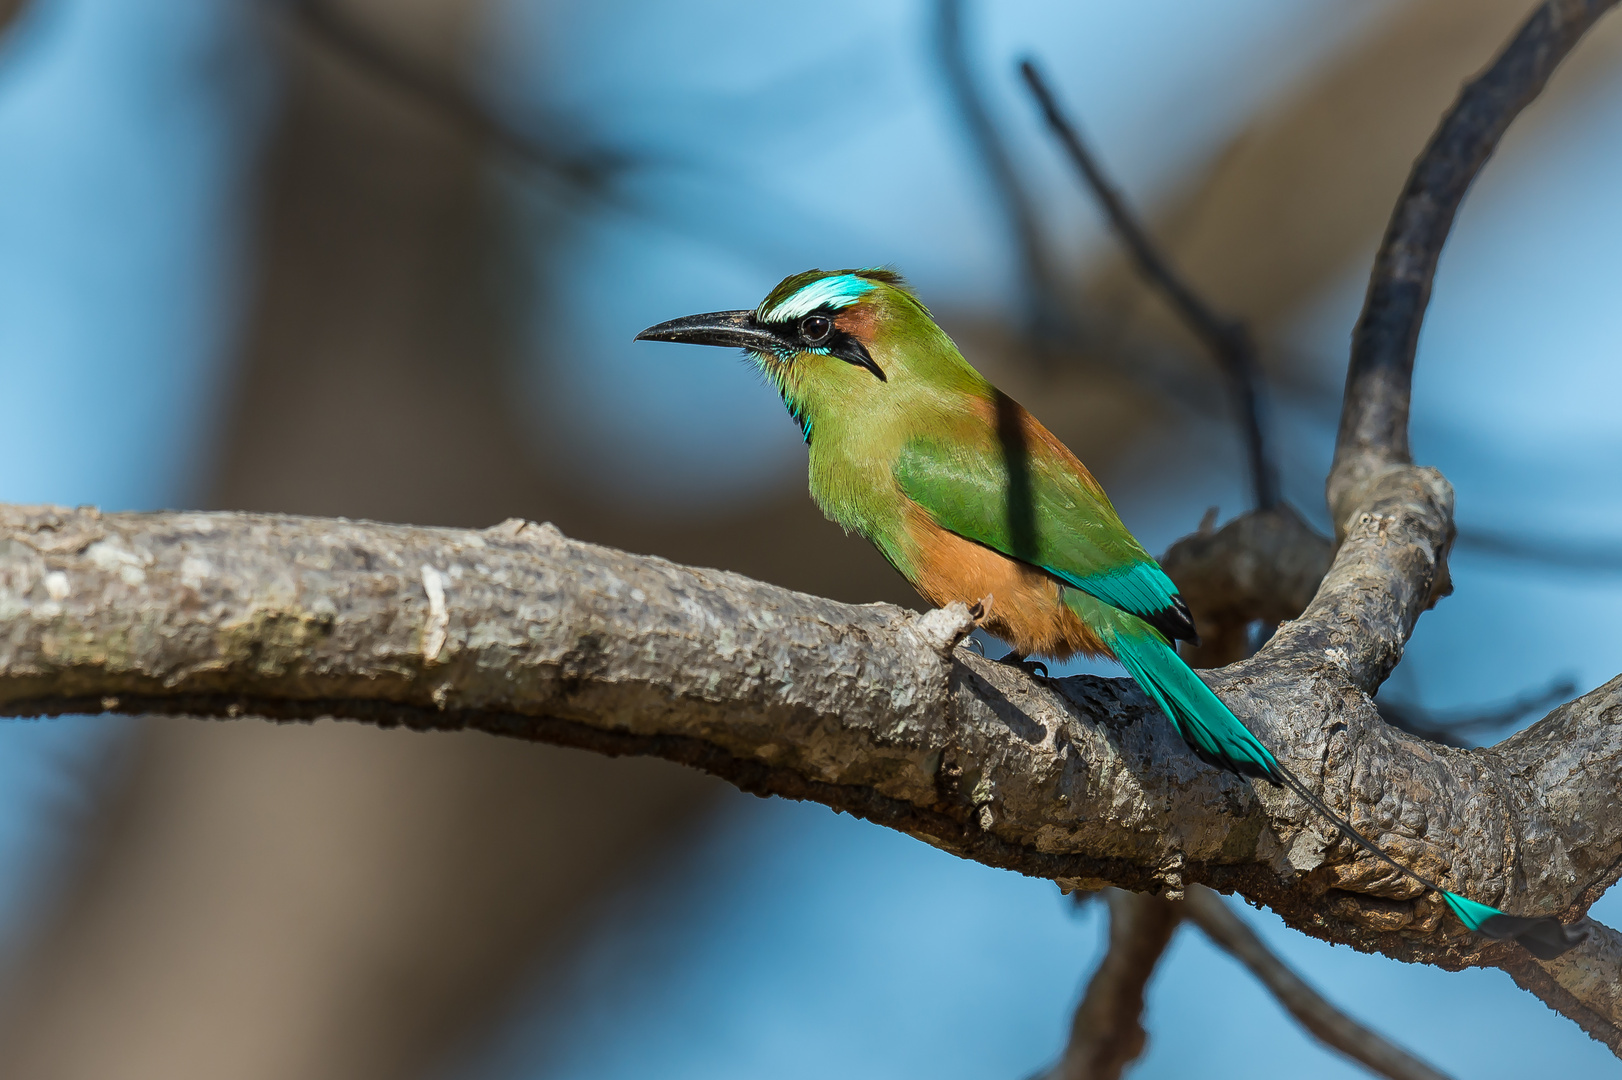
x=1198, y=715
x=1217, y=736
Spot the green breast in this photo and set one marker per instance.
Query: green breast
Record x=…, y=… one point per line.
x=858, y=425
x=853, y=481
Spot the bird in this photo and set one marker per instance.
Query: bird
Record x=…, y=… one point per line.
x=972, y=499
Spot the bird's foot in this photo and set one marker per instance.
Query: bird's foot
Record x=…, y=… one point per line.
x=1034, y=668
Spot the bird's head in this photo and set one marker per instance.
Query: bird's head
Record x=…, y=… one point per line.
x=819, y=313
x=825, y=337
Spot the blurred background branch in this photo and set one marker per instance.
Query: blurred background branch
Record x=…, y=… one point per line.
x=414, y=337
x=1049, y=318
x=1228, y=339
x=1456, y=727
x=1207, y=910
x=333, y=26
x=1600, y=557
x=1261, y=567
x=1106, y=1033
x=1374, y=427
x=9, y=10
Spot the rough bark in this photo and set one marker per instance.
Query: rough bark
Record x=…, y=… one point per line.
x=1266, y=565
x=1299, y=197
x=869, y=709
x=333, y=901
x=518, y=631
x=1374, y=413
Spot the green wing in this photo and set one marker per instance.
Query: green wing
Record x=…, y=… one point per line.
x=1040, y=511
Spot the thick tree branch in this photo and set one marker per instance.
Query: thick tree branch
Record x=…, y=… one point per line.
x=1374, y=418
x=521, y=632
x=1372, y=447
x=1328, y=1024
x=1263, y=565
x=1582, y=985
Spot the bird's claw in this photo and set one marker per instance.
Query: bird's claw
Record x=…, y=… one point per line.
x=1034, y=668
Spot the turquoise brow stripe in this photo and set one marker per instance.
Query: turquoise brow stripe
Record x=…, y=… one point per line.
x=839, y=291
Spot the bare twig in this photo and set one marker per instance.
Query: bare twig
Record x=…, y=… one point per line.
x=1046, y=313
x=1452, y=726
x=1228, y=339
x=1374, y=414
x=1107, y=1033
x=329, y=25
x=1331, y=1026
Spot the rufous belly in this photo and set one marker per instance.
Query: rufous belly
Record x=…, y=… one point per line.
x=1023, y=604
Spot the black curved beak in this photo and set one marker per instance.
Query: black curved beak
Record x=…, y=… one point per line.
x=737, y=329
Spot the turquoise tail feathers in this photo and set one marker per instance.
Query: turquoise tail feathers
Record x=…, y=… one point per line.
x=1544, y=936
x=1199, y=716
x=1217, y=736
x=1470, y=913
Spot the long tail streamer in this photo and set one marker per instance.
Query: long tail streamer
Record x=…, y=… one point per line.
x=1544, y=936
x=1215, y=734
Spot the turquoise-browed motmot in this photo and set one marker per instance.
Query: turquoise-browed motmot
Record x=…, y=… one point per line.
x=973, y=500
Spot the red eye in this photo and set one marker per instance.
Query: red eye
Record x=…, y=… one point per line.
x=816, y=329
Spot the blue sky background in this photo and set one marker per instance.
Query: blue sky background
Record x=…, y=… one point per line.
x=128, y=133
x=797, y=942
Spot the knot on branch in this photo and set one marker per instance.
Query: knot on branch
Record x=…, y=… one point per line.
x=943, y=629
x=1264, y=565
x=1355, y=486
x=542, y=533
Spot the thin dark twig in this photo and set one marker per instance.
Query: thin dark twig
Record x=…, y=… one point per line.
x=1045, y=314
x=1333, y=1028
x=329, y=25
x=1228, y=339
x=1379, y=377
x=1451, y=726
